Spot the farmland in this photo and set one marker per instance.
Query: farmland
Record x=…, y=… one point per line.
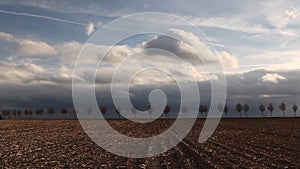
x=237, y=143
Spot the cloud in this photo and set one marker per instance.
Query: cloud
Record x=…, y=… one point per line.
x=6, y=36
x=26, y=47
x=273, y=78
x=35, y=48
x=20, y=73
x=90, y=29
x=228, y=61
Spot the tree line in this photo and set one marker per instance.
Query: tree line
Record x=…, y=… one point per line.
x=203, y=110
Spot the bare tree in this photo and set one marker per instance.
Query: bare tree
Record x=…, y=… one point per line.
x=223, y=109
x=295, y=108
x=26, y=112
x=30, y=112
x=64, y=112
x=133, y=111
x=226, y=110
x=19, y=113
x=118, y=111
x=246, y=109
x=150, y=110
x=14, y=112
x=239, y=108
x=282, y=107
x=201, y=110
x=103, y=110
x=5, y=113
x=51, y=112
x=167, y=110
x=271, y=109
x=184, y=110
x=37, y=112
x=262, y=109
x=205, y=109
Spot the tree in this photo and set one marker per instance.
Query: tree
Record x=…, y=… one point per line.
x=26, y=112
x=184, y=110
x=262, y=109
x=226, y=110
x=19, y=113
x=246, y=109
x=201, y=110
x=89, y=111
x=51, y=111
x=30, y=113
x=103, y=110
x=64, y=112
x=223, y=109
x=295, y=108
x=205, y=109
x=167, y=110
x=282, y=107
x=133, y=111
x=239, y=108
x=15, y=112
x=118, y=111
x=37, y=112
x=5, y=113
x=150, y=110
x=271, y=109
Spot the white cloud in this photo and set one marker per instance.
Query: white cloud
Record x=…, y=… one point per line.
x=90, y=29
x=272, y=77
x=6, y=36
x=26, y=47
x=20, y=73
x=35, y=48
x=228, y=61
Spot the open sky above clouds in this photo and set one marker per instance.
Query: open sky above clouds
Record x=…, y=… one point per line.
x=257, y=42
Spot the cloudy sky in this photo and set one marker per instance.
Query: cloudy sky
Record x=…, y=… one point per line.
x=257, y=43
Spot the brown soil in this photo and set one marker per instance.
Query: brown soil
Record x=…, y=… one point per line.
x=237, y=143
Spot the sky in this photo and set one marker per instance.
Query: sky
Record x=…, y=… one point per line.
x=257, y=43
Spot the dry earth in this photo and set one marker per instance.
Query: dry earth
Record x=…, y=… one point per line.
x=237, y=143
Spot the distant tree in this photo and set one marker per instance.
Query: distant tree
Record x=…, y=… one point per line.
x=226, y=110
x=26, y=112
x=271, y=108
x=295, y=108
x=51, y=111
x=118, y=111
x=167, y=110
x=89, y=111
x=37, y=112
x=223, y=109
x=246, y=109
x=282, y=107
x=5, y=113
x=19, y=113
x=150, y=110
x=103, y=110
x=14, y=112
x=201, y=110
x=64, y=112
x=239, y=108
x=205, y=109
x=184, y=110
x=133, y=111
x=262, y=109
x=30, y=112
